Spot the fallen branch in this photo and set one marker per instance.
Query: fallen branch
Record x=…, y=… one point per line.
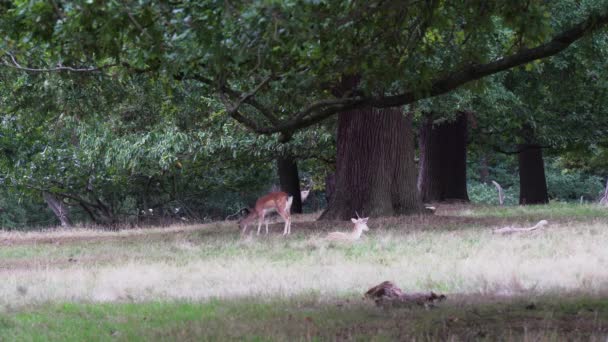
x=387, y=293
x=501, y=194
x=509, y=230
x=239, y=212
x=604, y=199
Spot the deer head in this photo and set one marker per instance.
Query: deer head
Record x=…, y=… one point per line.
x=360, y=223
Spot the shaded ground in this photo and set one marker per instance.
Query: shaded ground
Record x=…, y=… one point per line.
x=448, y=217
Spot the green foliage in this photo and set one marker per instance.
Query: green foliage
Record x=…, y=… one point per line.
x=571, y=185
x=153, y=128
x=482, y=193
x=551, y=211
x=144, y=145
x=19, y=211
x=562, y=184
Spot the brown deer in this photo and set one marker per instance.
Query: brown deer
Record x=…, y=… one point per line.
x=275, y=201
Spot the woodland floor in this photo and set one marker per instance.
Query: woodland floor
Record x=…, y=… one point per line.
x=206, y=282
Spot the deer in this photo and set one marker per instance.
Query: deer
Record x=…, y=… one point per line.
x=275, y=201
x=304, y=195
x=355, y=234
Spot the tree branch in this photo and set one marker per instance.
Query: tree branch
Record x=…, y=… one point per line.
x=323, y=109
x=247, y=98
x=442, y=85
x=15, y=65
x=476, y=71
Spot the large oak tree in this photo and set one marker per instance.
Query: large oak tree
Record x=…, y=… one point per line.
x=274, y=65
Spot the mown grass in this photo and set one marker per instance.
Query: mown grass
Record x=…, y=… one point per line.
x=552, y=211
x=307, y=319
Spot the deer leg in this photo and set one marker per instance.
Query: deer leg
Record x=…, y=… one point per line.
x=285, y=218
x=266, y=227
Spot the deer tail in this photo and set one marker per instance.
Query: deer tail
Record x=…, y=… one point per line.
x=288, y=204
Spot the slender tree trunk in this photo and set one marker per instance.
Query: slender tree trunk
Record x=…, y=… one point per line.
x=375, y=170
x=484, y=169
x=443, y=160
x=532, y=182
x=290, y=181
x=330, y=186
x=59, y=209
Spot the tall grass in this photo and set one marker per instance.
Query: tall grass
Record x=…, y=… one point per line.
x=214, y=262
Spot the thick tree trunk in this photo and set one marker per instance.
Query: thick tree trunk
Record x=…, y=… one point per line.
x=532, y=182
x=443, y=160
x=59, y=209
x=375, y=170
x=290, y=181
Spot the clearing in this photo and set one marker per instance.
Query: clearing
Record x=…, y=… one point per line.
x=206, y=282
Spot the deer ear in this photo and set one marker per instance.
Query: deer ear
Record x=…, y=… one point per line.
x=364, y=220
x=354, y=220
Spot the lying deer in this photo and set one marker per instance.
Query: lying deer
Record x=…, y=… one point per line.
x=275, y=201
x=360, y=226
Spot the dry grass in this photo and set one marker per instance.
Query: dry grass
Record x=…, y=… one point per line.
x=450, y=254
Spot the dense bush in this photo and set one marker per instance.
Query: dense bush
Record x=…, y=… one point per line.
x=562, y=184
x=483, y=193
x=20, y=212
x=571, y=185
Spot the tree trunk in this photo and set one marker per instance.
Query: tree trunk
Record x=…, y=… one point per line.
x=330, y=186
x=59, y=208
x=484, y=169
x=375, y=170
x=443, y=160
x=532, y=182
x=290, y=181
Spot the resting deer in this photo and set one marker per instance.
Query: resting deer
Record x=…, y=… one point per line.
x=275, y=201
x=360, y=226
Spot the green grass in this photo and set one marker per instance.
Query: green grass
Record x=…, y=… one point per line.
x=293, y=319
x=554, y=210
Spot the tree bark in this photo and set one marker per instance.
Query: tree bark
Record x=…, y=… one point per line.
x=330, y=186
x=484, y=169
x=443, y=160
x=532, y=182
x=375, y=170
x=60, y=210
x=290, y=181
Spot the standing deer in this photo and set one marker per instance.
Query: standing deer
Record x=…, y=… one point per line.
x=275, y=201
x=355, y=234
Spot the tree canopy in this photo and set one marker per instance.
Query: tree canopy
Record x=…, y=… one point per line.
x=101, y=97
x=275, y=65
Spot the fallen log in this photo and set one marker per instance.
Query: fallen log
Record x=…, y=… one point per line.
x=388, y=294
x=510, y=230
x=501, y=194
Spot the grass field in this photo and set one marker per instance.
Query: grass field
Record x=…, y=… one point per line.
x=206, y=282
